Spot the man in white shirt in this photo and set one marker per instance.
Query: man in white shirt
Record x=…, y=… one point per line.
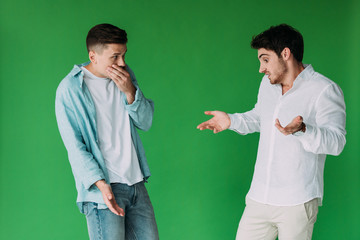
x=300, y=115
x=99, y=107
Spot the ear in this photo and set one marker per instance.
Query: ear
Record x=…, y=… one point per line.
x=286, y=53
x=92, y=56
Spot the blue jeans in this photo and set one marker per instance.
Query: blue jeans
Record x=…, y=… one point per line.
x=138, y=223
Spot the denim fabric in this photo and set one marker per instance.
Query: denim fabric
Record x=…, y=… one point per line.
x=138, y=223
x=76, y=118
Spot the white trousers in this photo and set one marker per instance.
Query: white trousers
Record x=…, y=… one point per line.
x=266, y=222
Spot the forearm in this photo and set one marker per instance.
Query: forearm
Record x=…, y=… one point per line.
x=101, y=184
x=326, y=135
x=323, y=140
x=141, y=111
x=130, y=95
x=245, y=123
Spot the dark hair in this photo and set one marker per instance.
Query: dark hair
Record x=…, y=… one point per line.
x=105, y=33
x=276, y=38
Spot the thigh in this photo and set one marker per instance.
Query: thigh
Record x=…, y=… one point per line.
x=255, y=224
x=140, y=218
x=103, y=224
x=297, y=222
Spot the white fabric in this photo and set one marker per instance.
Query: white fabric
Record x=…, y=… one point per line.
x=113, y=125
x=289, y=169
x=265, y=222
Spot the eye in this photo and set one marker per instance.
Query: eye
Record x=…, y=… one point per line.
x=115, y=57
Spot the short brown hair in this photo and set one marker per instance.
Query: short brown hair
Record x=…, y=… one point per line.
x=276, y=38
x=103, y=34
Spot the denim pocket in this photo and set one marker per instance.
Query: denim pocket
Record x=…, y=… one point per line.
x=88, y=207
x=85, y=208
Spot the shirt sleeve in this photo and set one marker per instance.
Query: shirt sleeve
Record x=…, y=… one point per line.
x=85, y=168
x=245, y=123
x=142, y=109
x=327, y=135
x=248, y=122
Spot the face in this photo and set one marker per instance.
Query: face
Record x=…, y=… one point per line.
x=271, y=65
x=113, y=53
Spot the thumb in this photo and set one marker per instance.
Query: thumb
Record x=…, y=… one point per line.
x=209, y=113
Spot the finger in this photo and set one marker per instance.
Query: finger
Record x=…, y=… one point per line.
x=209, y=113
x=118, y=74
x=202, y=125
x=207, y=125
x=120, y=69
x=277, y=124
x=121, y=211
x=115, y=74
x=279, y=127
x=116, y=78
x=112, y=205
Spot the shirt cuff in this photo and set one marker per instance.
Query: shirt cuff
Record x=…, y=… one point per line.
x=232, y=121
x=90, y=182
x=135, y=105
x=308, y=137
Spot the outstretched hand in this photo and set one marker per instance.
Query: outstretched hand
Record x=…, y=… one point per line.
x=220, y=122
x=295, y=126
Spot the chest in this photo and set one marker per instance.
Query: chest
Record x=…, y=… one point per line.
x=285, y=107
x=107, y=98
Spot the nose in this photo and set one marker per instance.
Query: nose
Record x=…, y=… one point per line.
x=121, y=62
x=261, y=69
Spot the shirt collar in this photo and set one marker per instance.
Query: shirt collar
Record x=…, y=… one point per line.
x=305, y=74
x=77, y=70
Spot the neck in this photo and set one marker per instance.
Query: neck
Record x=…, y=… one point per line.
x=293, y=71
x=90, y=68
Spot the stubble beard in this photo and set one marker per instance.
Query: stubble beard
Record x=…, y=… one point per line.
x=281, y=73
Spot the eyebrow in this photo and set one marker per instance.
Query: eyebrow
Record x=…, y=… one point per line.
x=118, y=53
x=264, y=54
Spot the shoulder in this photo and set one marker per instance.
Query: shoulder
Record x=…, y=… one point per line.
x=323, y=85
x=71, y=82
x=318, y=80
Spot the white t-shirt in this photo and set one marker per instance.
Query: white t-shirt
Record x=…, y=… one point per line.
x=113, y=125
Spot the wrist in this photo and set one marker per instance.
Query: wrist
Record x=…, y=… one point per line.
x=130, y=96
x=301, y=130
x=101, y=184
x=302, y=127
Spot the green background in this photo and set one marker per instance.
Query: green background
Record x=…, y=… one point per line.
x=188, y=56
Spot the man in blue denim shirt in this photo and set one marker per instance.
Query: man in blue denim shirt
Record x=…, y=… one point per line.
x=98, y=107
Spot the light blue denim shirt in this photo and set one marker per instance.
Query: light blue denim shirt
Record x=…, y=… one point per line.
x=76, y=118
